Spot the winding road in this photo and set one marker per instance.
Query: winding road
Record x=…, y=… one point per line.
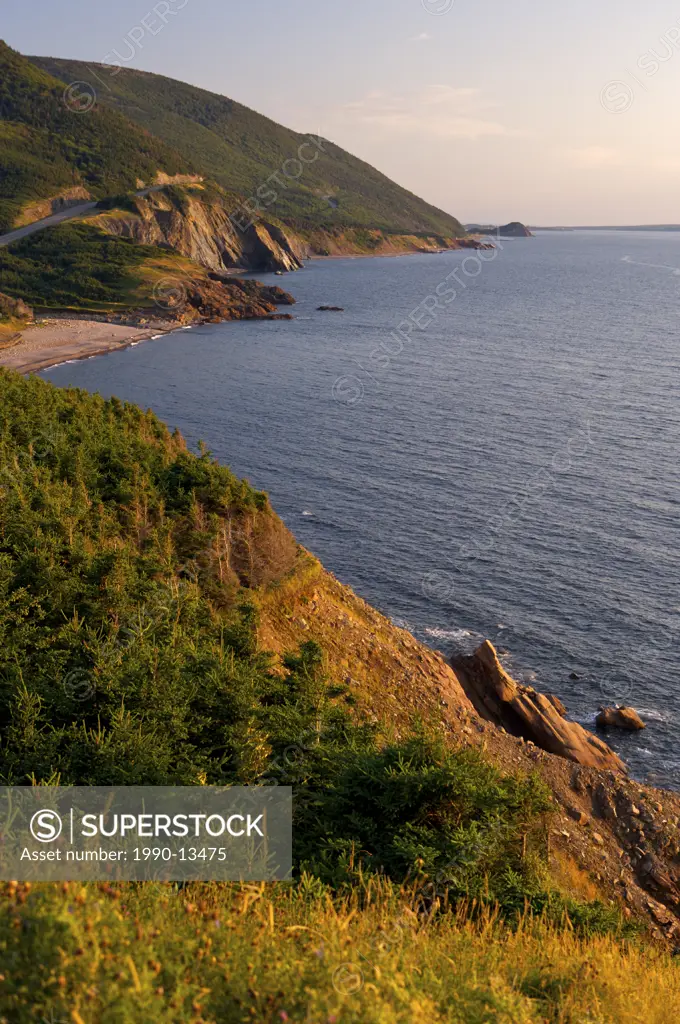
x=70, y=213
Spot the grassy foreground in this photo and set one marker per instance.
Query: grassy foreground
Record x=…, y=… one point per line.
x=225, y=955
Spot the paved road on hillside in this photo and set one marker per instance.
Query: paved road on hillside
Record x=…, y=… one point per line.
x=56, y=218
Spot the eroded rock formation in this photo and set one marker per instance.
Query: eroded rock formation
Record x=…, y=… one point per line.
x=203, y=230
x=522, y=711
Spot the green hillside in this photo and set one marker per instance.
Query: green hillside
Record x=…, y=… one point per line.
x=75, y=266
x=47, y=146
x=240, y=149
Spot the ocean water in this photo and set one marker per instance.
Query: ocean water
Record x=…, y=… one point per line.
x=508, y=469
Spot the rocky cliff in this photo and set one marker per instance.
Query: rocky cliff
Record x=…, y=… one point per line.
x=609, y=837
x=197, y=223
x=216, y=300
x=14, y=309
x=374, y=242
x=210, y=297
x=200, y=227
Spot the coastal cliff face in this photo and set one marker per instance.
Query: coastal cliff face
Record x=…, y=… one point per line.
x=202, y=230
x=374, y=242
x=200, y=227
x=609, y=837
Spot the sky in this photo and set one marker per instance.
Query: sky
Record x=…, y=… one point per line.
x=492, y=110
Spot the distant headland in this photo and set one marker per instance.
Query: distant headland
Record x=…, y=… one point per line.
x=515, y=229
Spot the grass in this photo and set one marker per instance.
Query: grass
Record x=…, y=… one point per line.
x=77, y=266
x=225, y=954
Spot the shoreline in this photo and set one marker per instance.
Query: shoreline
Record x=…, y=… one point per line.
x=62, y=339
x=394, y=255
x=379, y=255
x=67, y=339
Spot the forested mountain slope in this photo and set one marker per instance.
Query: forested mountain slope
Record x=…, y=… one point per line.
x=47, y=147
x=240, y=149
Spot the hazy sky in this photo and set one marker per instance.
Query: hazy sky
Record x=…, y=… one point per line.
x=493, y=110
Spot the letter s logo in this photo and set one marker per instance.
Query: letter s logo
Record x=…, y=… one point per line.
x=46, y=826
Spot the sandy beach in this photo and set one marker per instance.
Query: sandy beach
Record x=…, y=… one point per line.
x=57, y=340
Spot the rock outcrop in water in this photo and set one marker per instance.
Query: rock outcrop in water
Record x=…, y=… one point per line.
x=620, y=718
x=255, y=289
x=522, y=711
x=238, y=300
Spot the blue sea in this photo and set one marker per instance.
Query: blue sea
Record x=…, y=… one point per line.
x=482, y=445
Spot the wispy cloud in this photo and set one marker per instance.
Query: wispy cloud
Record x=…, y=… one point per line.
x=423, y=37
x=590, y=158
x=437, y=111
